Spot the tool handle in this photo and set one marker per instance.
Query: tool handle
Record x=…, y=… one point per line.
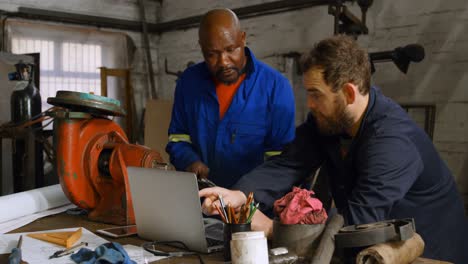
x=15, y=256
x=67, y=251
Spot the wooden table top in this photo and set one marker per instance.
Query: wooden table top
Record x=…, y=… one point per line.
x=64, y=220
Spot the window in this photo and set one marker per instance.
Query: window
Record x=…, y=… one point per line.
x=64, y=66
x=70, y=57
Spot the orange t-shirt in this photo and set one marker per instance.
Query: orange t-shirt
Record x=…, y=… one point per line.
x=225, y=94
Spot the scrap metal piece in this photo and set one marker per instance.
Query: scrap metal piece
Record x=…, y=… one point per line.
x=89, y=103
x=374, y=233
x=92, y=156
x=324, y=252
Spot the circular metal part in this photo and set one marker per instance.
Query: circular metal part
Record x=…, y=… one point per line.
x=354, y=236
x=372, y=225
x=104, y=162
x=65, y=114
x=85, y=102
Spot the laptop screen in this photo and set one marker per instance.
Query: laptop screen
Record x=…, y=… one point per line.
x=167, y=206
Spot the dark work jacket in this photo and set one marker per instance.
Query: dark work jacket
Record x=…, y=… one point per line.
x=392, y=170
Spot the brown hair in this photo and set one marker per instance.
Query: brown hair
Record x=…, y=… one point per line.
x=342, y=61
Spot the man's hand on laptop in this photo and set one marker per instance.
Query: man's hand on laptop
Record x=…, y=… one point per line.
x=199, y=168
x=235, y=198
x=260, y=222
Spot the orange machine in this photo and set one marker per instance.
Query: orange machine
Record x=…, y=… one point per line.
x=92, y=155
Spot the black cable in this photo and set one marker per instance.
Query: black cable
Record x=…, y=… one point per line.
x=9, y=124
x=43, y=126
x=150, y=247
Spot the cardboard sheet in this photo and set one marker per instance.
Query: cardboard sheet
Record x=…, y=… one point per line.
x=32, y=201
x=8, y=226
x=157, y=119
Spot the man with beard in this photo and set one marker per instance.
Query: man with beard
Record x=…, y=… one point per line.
x=380, y=164
x=231, y=111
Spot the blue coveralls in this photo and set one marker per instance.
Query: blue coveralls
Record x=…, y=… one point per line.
x=258, y=123
x=392, y=171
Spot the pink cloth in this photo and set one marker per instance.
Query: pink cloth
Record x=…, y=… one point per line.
x=300, y=207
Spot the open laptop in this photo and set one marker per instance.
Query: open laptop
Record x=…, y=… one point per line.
x=167, y=208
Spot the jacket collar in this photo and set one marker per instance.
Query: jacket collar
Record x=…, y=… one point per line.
x=368, y=113
x=251, y=63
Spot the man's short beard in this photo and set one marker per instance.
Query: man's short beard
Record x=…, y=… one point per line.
x=340, y=123
x=238, y=71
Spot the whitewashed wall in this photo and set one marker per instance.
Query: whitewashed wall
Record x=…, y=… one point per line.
x=441, y=26
x=442, y=78
x=117, y=9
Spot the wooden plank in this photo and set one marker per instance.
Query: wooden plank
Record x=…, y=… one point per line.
x=128, y=94
x=103, y=81
x=117, y=72
x=66, y=239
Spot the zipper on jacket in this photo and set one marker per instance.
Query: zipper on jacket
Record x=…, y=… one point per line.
x=233, y=137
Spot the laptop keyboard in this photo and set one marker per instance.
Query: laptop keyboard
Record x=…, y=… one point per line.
x=214, y=234
x=213, y=242
x=214, y=229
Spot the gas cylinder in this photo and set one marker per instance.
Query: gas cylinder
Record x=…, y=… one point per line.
x=28, y=172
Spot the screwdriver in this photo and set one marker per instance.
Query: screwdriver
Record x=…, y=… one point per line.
x=15, y=256
x=67, y=251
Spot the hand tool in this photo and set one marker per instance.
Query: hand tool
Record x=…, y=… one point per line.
x=15, y=256
x=67, y=251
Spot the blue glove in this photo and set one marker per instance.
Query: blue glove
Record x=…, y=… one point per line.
x=108, y=253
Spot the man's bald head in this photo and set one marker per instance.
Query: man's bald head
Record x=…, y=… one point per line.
x=222, y=42
x=218, y=19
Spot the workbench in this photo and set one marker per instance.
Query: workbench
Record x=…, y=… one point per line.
x=64, y=220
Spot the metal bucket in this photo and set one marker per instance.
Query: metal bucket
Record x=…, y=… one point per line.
x=302, y=239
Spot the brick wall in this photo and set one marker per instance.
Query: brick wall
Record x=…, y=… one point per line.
x=440, y=26
x=442, y=78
